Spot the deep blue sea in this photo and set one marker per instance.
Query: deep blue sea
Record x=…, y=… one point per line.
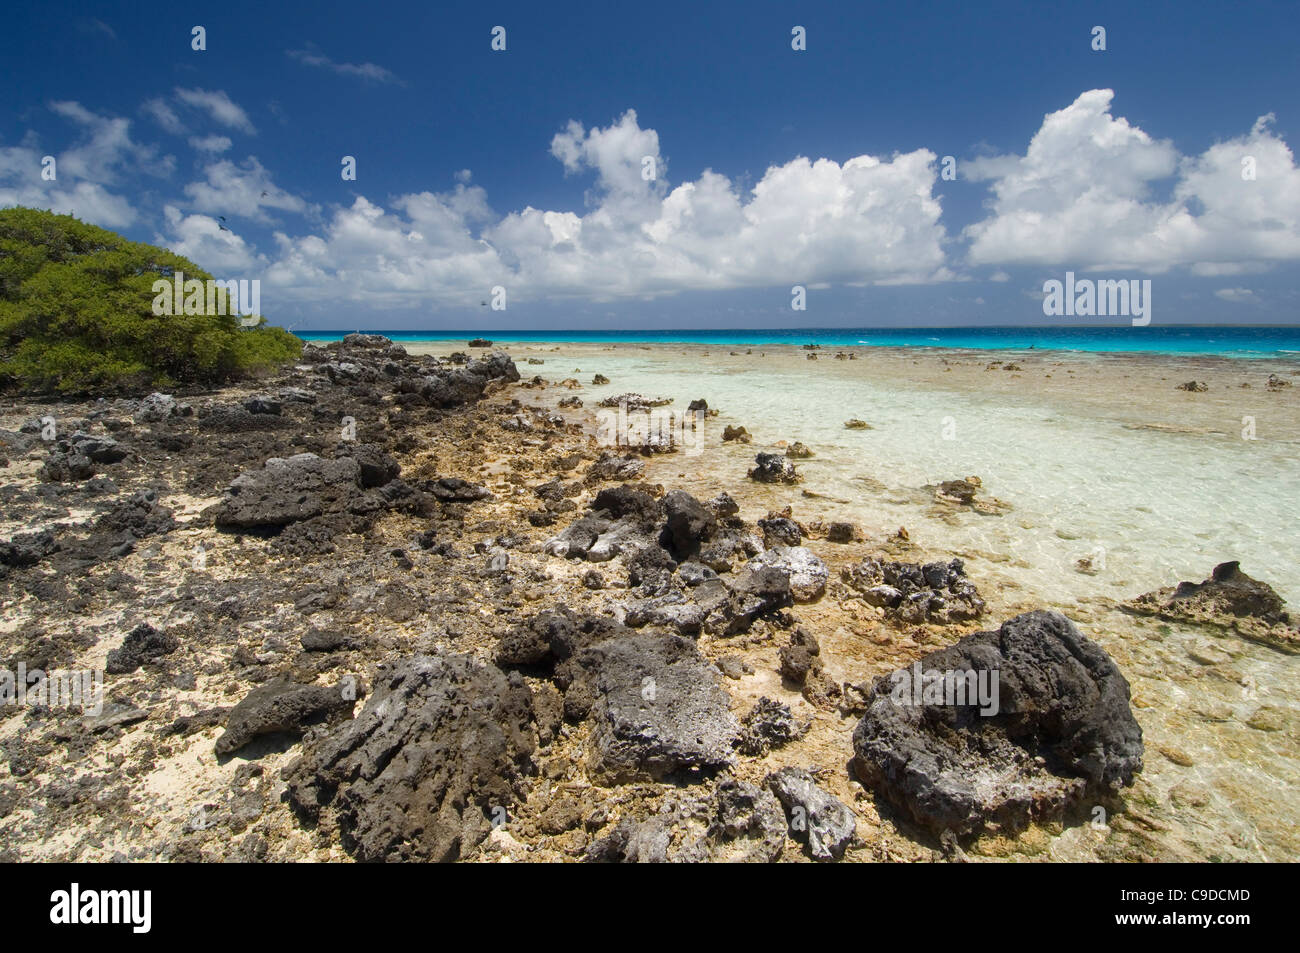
x=1222, y=341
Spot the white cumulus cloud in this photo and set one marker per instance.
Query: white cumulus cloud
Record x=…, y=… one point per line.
x=217, y=104
x=1085, y=195
x=868, y=219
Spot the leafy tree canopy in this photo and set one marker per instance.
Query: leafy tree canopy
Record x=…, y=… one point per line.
x=76, y=315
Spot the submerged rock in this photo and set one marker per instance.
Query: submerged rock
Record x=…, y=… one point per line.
x=1058, y=733
x=1229, y=599
x=910, y=592
x=773, y=468
x=959, y=491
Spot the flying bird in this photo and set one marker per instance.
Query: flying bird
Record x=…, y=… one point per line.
x=223, y=228
x=222, y=217
x=264, y=194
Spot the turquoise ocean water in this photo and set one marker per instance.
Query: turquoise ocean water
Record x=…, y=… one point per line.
x=1224, y=341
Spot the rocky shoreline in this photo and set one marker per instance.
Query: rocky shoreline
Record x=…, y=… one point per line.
x=386, y=607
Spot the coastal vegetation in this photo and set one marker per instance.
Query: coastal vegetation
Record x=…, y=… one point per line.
x=76, y=315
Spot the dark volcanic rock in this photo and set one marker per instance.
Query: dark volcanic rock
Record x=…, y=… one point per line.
x=650, y=567
x=689, y=523
x=1062, y=733
x=658, y=708
x=439, y=751
x=27, y=549
x=909, y=592
x=1229, y=599
x=98, y=449
x=773, y=468
x=236, y=419
x=138, y=516
x=283, y=706
x=769, y=724
x=456, y=490
x=799, y=656
x=377, y=467
x=757, y=592
x=780, y=531
x=288, y=490
x=726, y=546
x=554, y=635
x=262, y=404
x=143, y=645
x=739, y=823
x=619, y=501
x=321, y=640
x=814, y=816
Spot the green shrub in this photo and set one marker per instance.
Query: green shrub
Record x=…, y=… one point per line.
x=76, y=315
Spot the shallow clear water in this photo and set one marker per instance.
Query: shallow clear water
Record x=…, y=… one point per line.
x=1156, y=507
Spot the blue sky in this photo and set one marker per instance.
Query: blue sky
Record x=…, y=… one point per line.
x=522, y=169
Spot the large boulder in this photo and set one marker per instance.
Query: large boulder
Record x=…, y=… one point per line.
x=287, y=490
x=1044, y=728
x=657, y=708
x=440, y=751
